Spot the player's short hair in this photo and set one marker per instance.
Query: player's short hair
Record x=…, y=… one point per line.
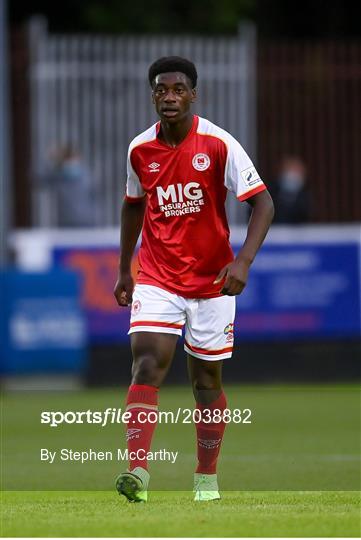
x=168, y=64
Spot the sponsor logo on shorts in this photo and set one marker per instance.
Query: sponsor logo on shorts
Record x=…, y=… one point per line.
x=228, y=328
x=136, y=307
x=229, y=332
x=133, y=434
x=209, y=443
x=201, y=162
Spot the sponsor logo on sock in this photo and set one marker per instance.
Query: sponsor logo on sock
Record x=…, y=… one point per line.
x=209, y=443
x=133, y=434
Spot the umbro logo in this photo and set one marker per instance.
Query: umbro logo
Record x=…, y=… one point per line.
x=209, y=443
x=133, y=434
x=154, y=167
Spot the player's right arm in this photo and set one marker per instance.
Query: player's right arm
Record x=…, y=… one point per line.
x=131, y=223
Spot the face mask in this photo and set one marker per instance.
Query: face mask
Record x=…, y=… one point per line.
x=292, y=181
x=72, y=170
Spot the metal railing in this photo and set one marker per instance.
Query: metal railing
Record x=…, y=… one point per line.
x=92, y=92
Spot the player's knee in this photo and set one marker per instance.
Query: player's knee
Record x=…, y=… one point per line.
x=206, y=377
x=207, y=390
x=206, y=382
x=147, y=370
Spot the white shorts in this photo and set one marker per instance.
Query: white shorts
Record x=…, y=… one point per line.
x=208, y=322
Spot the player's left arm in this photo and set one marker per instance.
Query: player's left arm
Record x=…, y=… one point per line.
x=236, y=272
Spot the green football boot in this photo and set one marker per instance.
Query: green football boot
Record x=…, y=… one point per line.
x=133, y=485
x=206, y=487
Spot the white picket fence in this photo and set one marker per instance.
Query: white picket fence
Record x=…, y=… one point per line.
x=92, y=92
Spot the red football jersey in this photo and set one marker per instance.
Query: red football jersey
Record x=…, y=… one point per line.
x=185, y=235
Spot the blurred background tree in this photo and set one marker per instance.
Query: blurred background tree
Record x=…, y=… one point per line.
x=278, y=18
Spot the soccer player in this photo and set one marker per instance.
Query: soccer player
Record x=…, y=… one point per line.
x=179, y=171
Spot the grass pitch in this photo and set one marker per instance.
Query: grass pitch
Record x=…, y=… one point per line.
x=174, y=514
x=294, y=471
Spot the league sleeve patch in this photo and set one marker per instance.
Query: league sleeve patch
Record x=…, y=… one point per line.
x=250, y=176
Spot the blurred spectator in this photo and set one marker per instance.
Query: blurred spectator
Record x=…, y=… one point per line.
x=289, y=192
x=70, y=180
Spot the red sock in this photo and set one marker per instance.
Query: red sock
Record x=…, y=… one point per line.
x=141, y=399
x=209, y=436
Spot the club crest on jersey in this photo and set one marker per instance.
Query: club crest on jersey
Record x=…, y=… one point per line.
x=201, y=162
x=154, y=167
x=136, y=307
